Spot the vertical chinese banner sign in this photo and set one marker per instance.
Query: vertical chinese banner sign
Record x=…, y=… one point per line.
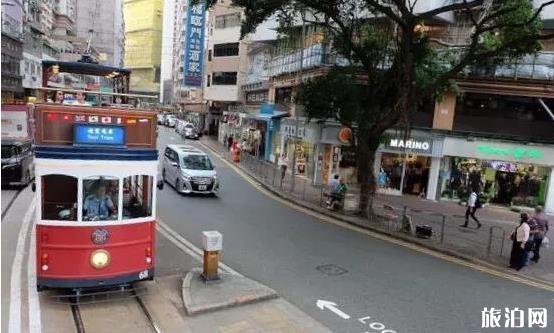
x=194, y=45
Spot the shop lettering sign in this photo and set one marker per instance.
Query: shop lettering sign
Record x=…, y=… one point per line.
x=518, y=153
x=410, y=144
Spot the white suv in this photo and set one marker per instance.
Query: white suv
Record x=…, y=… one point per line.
x=189, y=170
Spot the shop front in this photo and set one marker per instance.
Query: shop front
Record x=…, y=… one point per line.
x=409, y=165
x=508, y=174
x=260, y=131
x=231, y=125
x=299, y=139
x=336, y=155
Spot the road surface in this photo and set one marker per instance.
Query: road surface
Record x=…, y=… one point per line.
x=307, y=260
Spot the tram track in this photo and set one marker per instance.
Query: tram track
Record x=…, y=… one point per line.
x=78, y=312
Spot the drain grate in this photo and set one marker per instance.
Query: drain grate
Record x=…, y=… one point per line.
x=331, y=270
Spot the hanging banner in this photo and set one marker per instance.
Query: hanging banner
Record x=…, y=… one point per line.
x=194, y=47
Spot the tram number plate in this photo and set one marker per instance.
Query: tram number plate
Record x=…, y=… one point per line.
x=202, y=187
x=143, y=275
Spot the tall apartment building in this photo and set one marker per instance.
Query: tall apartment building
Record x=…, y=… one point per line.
x=143, y=43
x=102, y=22
x=227, y=60
x=12, y=50
x=188, y=98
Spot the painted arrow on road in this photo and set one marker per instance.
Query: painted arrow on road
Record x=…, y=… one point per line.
x=331, y=306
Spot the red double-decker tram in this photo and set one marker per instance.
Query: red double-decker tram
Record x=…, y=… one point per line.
x=96, y=174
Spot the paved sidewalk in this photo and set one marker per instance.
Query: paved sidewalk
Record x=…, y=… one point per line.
x=490, y=243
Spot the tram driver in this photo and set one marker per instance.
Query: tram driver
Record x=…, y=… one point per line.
x=98, y=205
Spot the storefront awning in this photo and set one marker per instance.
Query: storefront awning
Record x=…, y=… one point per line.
x=268, y=116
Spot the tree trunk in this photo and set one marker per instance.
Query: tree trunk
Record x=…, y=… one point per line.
x=365, y=155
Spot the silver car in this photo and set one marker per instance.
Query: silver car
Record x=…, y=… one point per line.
x=189, y=170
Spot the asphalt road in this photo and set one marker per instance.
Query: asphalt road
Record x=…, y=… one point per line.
x=403, y=290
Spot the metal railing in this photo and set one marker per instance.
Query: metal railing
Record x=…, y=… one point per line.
x=487, y=243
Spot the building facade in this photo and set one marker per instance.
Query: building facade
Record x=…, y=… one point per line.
x=12, y=50
x=102, y=23
x=143, y=42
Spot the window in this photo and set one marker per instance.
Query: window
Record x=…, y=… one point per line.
x=208, y=80
x=56, y=204
x=226, y=50
x=224, y=78
x=137, y=196
x=197, y=162
x=209, y=55
x=100, y=198
x=157, y=74
x=227, y=21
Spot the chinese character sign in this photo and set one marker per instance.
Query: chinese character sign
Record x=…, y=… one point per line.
x=194, y=45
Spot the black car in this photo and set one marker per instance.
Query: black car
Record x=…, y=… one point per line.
x=17, y=162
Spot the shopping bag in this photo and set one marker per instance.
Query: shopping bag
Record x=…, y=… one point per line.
x=545, y=242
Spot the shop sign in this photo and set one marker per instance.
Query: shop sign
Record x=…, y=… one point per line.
x=194, y=45
x=345, y=135
x=413, y=144
x=518, y=153
x=290, y=131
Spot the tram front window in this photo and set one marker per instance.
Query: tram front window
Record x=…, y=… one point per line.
x=137, y=196
x=59, y=198
x=100, y=198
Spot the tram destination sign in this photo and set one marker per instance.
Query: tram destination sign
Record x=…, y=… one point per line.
x=94, y=134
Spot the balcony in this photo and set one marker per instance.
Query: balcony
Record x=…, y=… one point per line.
x=531, y=67
x=312, y=57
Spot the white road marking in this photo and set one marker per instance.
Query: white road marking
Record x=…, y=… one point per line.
x=14, y=323
x=479, y=265
x=35, y=324
x=186, y=246
x=322, y=304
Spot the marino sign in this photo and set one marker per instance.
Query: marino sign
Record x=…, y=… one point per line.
x=518, y=153
x=412, y=144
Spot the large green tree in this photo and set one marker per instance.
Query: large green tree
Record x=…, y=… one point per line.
x=395, y=62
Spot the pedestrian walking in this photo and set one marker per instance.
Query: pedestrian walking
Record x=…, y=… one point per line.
x=541, y=230
x=230, y=142
x=283, y=163
x=473, y=204
x=519, y=238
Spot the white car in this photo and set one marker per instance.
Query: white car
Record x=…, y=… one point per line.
x=190, y=132
x=170, y=120
x=189, y=170
x=180, y=126
x=160, y=119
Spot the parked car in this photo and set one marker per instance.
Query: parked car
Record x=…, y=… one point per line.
x=161, y=118
x=169, y=120
x=180, y=126
x=190, y=132
x=189, y=170
x=17, y=162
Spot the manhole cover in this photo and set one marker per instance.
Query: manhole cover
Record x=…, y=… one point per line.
x=331, y=270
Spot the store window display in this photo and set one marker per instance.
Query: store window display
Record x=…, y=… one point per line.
x=408, y=174
x=501, y=182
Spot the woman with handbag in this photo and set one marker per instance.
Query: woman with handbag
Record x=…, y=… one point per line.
x=519, y=238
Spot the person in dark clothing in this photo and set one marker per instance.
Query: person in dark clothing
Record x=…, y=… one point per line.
x=229, y=142
x=540, y=232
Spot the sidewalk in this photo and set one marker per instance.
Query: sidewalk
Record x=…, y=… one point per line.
x=489, y=244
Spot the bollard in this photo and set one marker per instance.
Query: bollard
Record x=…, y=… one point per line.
x=442, y=228
x=211, y=243
x=489, y=245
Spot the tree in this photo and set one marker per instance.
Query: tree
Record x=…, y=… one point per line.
x=394, y=62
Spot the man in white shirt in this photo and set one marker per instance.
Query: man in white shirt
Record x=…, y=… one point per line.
x=472, y=206
x=283, y=163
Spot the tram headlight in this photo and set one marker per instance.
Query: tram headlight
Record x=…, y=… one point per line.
x=100, y=259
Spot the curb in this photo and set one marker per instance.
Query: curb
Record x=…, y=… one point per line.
x=194, y=310
x=451, y=253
